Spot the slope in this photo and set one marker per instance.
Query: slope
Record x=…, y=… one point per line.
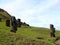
x=26, y=35
x=4, y=14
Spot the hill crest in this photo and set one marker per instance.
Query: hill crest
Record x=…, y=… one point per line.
x=4, y=14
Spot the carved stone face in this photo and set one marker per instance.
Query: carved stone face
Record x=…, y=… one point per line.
x=51, y=26
x=13, y=18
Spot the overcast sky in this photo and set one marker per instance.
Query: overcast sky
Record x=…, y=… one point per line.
x=38, y=13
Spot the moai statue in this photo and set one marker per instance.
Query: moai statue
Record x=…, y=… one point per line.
x=52, y=30
x=28, y=25
x=8, y=23
x=24, y=24
x=19, y=22
x=14, y=24
x=0, y=19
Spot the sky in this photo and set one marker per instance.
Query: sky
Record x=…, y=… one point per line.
x=39, y=13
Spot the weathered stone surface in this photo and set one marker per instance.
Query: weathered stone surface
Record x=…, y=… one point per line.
x=25, y=24
x=14, y=24
x=8, y=23
x=19, y=22
x=52, y=30
x=0, y=19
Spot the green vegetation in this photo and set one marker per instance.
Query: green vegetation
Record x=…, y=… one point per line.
x=26, y=35
x=4, y=14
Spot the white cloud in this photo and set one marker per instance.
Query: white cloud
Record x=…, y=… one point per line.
x=35, y=13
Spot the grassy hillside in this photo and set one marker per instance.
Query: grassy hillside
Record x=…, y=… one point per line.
x=26, y=35
x=4, y=14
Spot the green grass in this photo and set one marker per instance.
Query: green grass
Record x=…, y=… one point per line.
x=5, y=15
x=26, y=35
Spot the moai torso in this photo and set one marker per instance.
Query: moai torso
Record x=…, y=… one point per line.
x=19, y=22
x=14, y=24
x=8, y=23
x=52, y=29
